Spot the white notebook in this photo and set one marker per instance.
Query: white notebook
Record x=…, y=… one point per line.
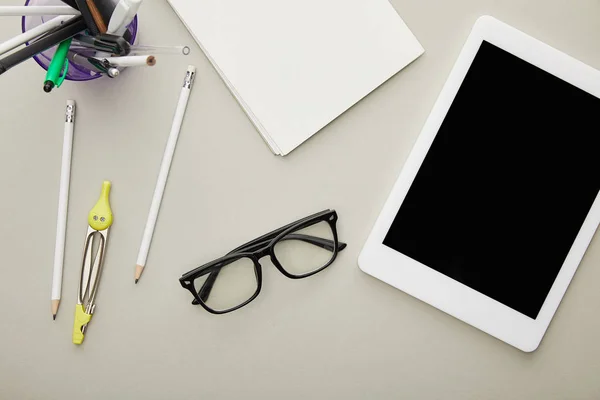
x=296, y=65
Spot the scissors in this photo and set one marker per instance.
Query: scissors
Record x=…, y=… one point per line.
x=100, y=219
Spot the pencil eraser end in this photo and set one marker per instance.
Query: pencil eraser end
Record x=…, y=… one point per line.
x=71, y=103
x=191, y=69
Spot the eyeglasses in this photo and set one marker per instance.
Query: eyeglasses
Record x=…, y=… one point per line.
x=297, y=250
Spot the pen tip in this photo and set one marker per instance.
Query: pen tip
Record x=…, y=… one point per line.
x=48, y=86
x=53, y=317
x=136, y=281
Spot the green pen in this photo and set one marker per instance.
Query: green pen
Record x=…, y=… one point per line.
x=58, y=68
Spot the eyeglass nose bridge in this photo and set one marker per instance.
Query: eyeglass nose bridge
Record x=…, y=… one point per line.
x=261, y=253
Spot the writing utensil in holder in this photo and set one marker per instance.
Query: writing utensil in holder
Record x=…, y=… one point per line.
x=98, y=19
x=100, y=220
x=92, y=64
x=33, y=33
x=173, y=50
x=86, y=13
x=68, y=30
x=163, y=174
x=105, y=43
x=82, y=60
x=104, y=7
x=117, y=45
x=58, y=68
x=33, y=11
x=129, y=61
x=122, y=16
x=113, y=72
x=63, y=205
x=98, y=64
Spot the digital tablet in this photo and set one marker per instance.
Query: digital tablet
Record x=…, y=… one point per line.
x=499, y=199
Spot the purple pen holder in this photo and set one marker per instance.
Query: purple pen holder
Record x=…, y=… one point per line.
x=76, y=72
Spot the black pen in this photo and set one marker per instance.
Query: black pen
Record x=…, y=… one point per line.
x=82, y=6
x=68, y=30
x=106, y=43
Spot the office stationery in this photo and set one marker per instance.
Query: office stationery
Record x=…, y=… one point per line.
x=113, y=72
x=97, y=16
x=69, y=29
x=499, y=199
x=298, y=250
x=100, y=220
x=19, y=11
x=145, y=49
x=163, y=175
x=99, y=64
x=129, y=61
x=63, y=206
x=94, y=65
x=88, y=17
x=295, y=68
x=57, y=71
x=85, y=63
x=123, y=14
x=33, y=33
x=120, y=47
x=77, y=73
x=105, y=8
x=110, y=44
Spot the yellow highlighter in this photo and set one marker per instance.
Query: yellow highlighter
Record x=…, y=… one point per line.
x=100, y=219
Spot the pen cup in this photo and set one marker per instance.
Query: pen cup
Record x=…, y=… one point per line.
x=76, y=71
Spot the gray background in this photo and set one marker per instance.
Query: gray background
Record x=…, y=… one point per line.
x=341, y=334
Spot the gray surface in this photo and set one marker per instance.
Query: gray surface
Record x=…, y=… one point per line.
x=341, y=334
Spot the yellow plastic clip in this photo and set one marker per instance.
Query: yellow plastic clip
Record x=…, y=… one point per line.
x=81, y=319
x=101, y=217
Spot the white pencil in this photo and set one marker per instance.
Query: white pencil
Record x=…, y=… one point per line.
x=130, y=61
x=164, y=171
x=31, y=11
x=63, y=205
x=33, y=33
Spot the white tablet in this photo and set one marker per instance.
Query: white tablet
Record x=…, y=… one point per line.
x=499, y=199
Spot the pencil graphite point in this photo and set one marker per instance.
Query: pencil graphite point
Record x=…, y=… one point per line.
x=55, y=304
x=138, y=272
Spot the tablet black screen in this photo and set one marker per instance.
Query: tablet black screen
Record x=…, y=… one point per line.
x=507, y=183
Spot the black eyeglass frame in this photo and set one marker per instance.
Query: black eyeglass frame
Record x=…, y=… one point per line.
x=257, y=249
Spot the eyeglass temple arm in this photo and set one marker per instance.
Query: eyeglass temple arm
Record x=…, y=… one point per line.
x=326, y=244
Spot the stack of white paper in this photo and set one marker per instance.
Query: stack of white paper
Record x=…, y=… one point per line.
x=296, y=65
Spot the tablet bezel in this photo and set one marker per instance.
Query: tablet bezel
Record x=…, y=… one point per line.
x=437, y=289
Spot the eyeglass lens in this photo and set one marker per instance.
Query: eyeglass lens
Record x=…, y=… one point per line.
x=235, y=284
x=306, y=250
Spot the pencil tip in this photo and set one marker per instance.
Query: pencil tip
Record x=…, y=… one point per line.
x=136, y=281
x=53, y=317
